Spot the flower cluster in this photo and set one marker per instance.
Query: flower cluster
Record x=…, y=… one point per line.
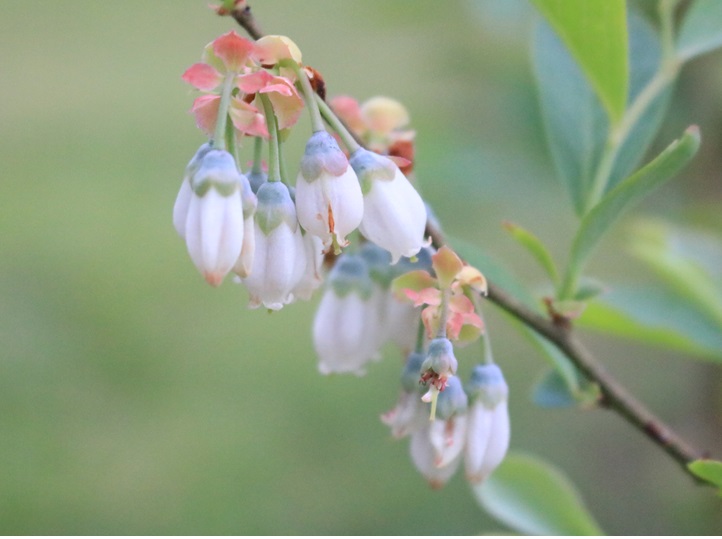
x=472, y=423
x=270, y=233
x=353, y=208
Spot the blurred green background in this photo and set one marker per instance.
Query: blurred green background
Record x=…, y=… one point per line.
x=135, y=399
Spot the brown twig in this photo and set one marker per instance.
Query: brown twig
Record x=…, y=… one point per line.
x=614, y=395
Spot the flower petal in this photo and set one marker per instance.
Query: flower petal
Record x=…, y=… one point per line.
x=233, y=50
x=203, y=76
x=205, y=110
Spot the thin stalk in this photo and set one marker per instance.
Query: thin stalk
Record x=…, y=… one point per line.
x=337, y=125
x=274, y=170
x=443, y=314
x=420, y=334
x=256, y=168
x=308, y=95
x=219, y=135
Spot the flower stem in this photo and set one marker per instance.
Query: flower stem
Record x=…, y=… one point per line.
x=219, y=135
x=308, y=95
x=257, y=156
x=443, y=314
x=274, y=170
x=331, y=119
x=488, y=356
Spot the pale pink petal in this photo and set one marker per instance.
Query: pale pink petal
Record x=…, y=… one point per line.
x=205, y=110
x=233, y=49
x=247, y=119
x=203, y=77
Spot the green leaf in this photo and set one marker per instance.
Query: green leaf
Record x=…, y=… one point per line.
x=534, y=245
x=531, y=496
x=553, y=391
x=689, y=261
x=575, y=122
x=595, y=31
x=709, y=470
x=645, y=56
x=654, y=316
x=631, y=191
x=701, y=29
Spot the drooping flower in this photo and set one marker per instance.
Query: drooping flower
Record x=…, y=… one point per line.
x=346, y=330
x=440, y=363
x=410, y=413
x=209, y=215
x=244, y=264
x=280, y=257
x=394, y=214
x=312, y=277
x=437, y=448
x=328, y=195
x=183, y=200
x=488, y=430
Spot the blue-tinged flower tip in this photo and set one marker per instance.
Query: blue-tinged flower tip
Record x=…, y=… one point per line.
x=440, y=357
x=371, y=166
x=379, y=262
x=322, y=154
x=412, y=372
x=217, y=170
x=452, y=400
x=257, y=179
x=275, y=207
x=350, y=273
x=487, y=384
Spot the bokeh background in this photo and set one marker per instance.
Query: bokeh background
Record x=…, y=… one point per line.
x=135, y=399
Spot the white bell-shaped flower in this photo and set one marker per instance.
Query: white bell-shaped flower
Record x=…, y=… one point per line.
x=312, y=275
x=280, y=258
x=346, y=330
x=410, y=413
x=437, y=448
x=211, y=202
x=244, y=264
x=328, y=194
x=394, y=214
x=488, y=430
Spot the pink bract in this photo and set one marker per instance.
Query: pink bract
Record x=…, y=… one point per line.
x=233, y=50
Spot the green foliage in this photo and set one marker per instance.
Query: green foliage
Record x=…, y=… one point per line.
x=684, y=313
x=533, y=497
x=535, y=246
x=553, y=391
x=709, y=470
x=595, y=31
x=574, y=119
x=701, y=30
x=622, y=197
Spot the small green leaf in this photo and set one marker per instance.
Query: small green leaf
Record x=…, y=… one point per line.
x=551, y=391
x=709, y=470
x=595, y=31
x=631, y=191
x=701, y=29
x=534, y=245
x=532, y=497
x=654, y=316
x=589, y=289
